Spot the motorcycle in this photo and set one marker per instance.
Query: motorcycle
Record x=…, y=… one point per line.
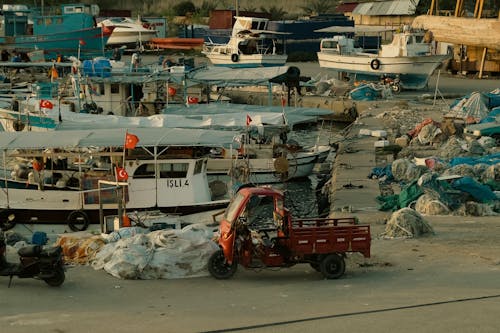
x=35, y=262
x=393, y=83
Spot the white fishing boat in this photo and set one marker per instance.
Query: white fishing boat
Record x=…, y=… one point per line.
x=128, y=32
x=267, y=163
x=54, y=178
x=250, y=45
x=409, y=56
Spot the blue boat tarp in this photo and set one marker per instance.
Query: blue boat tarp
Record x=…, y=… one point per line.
x=493, y=99
x=492, y=116
x=365, y=92
x=487, y=159
x=478, y=191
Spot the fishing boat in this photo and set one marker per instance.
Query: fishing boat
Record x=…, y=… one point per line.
x=65, y=178
x=128, y=32
x=67, y=30
x=409, y=56
x=250, y=45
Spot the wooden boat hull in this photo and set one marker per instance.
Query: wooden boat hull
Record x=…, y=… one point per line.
x=462, y=30
x=176, y=43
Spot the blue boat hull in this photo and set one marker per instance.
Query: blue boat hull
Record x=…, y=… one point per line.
x=65, y=42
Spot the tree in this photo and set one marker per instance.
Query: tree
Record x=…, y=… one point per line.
x=274, y=12
x=315, y=7
x=182, y=8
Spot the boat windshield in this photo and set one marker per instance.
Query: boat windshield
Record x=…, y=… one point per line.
x=232, y=209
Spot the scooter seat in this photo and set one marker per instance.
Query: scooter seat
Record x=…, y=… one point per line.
x=30, y=251
x=51, y=251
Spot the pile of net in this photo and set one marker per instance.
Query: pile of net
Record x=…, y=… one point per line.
x=161, y=254
x=406, y=223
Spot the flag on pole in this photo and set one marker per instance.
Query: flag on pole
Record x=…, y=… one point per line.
x=283, y=101
x=121, y=174
x=82, y=42
x=192, y=100
x=45, y=104
x=249, y=120
x=131, y=141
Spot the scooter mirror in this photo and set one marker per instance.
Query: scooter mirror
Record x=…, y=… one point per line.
x=11, y=217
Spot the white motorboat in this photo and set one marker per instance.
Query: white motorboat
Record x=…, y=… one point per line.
x=410, y=57
x=128, y=32
x=250, y=45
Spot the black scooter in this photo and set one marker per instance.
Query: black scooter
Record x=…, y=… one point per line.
x=35, y=262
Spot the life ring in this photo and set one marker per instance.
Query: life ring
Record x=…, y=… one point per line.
x=78, y=220
x=375, y=64
x=235, y=57
x=7, y=219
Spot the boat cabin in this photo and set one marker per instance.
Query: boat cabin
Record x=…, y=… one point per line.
x=339, y=44
x=407, y=44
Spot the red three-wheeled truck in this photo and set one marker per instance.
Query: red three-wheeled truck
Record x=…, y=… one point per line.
x=257, y=231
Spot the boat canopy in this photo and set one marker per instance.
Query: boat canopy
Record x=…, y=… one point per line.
x=148, y=137
x=358, y=29
x=214, y=116
x=224, y=76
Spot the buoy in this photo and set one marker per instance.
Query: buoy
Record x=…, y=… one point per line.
x=172, y=91
x=126, y=221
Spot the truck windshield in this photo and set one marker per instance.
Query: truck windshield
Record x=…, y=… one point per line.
x=232, y=209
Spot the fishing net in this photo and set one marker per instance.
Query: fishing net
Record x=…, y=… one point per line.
x=406, y=223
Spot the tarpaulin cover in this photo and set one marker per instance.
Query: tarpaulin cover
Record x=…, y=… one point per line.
x=487, y=159
x=479, y=192
x=492, y=116
x=408, y=194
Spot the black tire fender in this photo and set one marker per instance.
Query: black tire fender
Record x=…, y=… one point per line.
x=235, y=57
x=78, y=220
x=7, y=219
x=375, y=64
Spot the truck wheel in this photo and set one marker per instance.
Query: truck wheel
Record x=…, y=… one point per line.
x=332, y=266
x=57, y=279
x=219, y=268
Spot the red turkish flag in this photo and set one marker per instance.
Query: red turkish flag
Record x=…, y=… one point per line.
x=46, y=104
x=131, y=141
x=82, y=42
x=283, y=101
x=121, y=174
x=192, y=100
x=249, y=120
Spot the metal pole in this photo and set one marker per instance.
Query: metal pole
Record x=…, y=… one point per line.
x=5, y=177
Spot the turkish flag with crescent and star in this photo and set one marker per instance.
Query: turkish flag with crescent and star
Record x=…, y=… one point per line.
x=249, y=120
x=131, y=141
x=121, y=174
x=45, y=104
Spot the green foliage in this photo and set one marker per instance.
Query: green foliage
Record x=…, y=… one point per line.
x=206, y=7
x=274, y=12
x=184, y=7
x=315, y=7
